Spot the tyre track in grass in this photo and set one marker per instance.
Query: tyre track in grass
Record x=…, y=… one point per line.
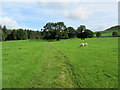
x=56, y=73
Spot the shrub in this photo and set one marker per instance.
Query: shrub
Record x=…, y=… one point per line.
x=98, y=34
x=115, y=34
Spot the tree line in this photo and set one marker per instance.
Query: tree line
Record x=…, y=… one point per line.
x=18, y=34
x=55, y=31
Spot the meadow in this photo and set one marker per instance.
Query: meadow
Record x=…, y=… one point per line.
x=60, y=64
x=108, y=32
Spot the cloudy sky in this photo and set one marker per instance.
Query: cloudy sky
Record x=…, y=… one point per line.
x=94, y=14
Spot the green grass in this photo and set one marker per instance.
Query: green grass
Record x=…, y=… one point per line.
x=28, y=64
x=108, y=32
x=95, y=65
x=22, y=61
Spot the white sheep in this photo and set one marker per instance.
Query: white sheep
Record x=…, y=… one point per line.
x=82, y=44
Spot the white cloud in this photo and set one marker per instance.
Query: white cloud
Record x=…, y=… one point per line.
x=78, y=13
x=102, y=27
x=11, y=24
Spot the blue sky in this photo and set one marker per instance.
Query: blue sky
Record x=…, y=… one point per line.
x=34, y=15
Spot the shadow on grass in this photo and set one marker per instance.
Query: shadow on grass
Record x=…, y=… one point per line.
x=52, y=40
x=41, y=40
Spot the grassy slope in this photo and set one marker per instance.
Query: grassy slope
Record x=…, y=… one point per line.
x=60, y=64
x=108, y=32
x=22, y=61
x=95, y=65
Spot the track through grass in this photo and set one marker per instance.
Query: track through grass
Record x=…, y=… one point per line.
x=56, y=73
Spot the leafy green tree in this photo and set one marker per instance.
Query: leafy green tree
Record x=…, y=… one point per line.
x=53, y=30
x=61, y=30
x=71, y=32
x=38, y=35
x=4, y=28
x=32, y=35
x=48, y=31
x=0, y=27
x=22, y=34
x=80, y=32
x=115, y=34
x=65, y=34
x=0, y=32
x=98, y=34
x=12, y=35
x=29, y=32
x=25, y=36
x=88, y=33
x=57, y=34
x=4, y=33
x=83, y=33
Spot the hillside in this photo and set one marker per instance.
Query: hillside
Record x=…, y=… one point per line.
x=109, y=31
x=114, y=28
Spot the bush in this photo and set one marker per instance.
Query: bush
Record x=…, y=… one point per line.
x=115, y=34
x=98, y=34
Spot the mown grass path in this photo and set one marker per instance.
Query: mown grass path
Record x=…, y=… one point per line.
x=56, y=72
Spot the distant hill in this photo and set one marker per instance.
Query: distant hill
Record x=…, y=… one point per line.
x=114, y=28
x=109, y=31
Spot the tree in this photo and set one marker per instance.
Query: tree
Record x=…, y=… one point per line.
x=29, y=32
x=64, y=35
x=61, y=31
x=53, y=30
x=4, y=33
x=32, y=35
x=38, y=35
x=22, y=34
x=0, y=27
x=115, y=34
x=80, y=32
x=0, y=32
x=88, y=33
x=4, y=28
x=71, y=32
x=49, y=31
x=12, y=35
x=83, y=33
x=57, y=34
x=98, y=34
x=25, y=36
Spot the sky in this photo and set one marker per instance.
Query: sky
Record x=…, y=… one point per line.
x=94, y=14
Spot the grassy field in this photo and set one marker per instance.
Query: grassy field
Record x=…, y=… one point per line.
x=108, y=32
x=45, y=64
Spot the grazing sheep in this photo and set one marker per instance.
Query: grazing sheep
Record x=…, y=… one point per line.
x=82, y=44
x=85, y=44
